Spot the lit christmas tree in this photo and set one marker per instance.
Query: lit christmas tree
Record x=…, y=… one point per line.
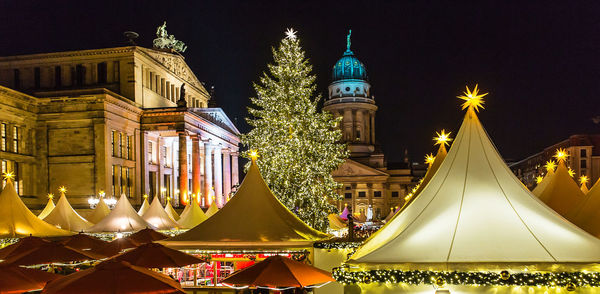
x=298, y=146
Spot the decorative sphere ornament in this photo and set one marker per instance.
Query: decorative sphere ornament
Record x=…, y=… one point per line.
x=505, y=275
x=440, y=282
x=571, y=287
x=367, y=279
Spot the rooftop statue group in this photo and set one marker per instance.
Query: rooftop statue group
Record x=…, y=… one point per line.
x=166, y=41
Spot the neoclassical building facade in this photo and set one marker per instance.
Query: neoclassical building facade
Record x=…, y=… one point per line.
x=113, y=120
x=367, y=182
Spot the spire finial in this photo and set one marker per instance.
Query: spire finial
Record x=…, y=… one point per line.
x=348, y=40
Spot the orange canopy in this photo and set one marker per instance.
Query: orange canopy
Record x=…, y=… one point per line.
x=116, y=246
x=82, y=241
x=15, y=279
x=279, y=271
x=154, y=255
x=23, y=245
x=115, y=277
x=146, y=236
x=50, y=252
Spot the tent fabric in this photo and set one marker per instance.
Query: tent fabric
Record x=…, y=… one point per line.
x=122, y=218
x=562, y=193
x=158, y=217
x=586, y=215
x=539, y=188
x=254, y=217
x=193, y=217
x=100, y=212
x=65, y=217
x=474, y=210
x=16, y=279
x=23, y=245
x=336, y=222
x=146, y=236
x=390, y=215
x=145, y=206
x=51, y=252
x=185, y=210
x=49, y=207
x=345, y=212
x=584, y=188
x=154, y=255
x=212, y=209
x=171, y=211
x=18, y=221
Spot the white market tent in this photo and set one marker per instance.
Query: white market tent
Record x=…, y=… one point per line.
x=65, y=217
x=193, y=216
x=100, y=212
x=49, y=206
x=544, y=183
x=18, y=221
x=586, y=215
x=145, y=206
x=158, y=217
x=212, y=209
x=562, y=193
x=475, y=211
x=122, y=218
x=171, y=211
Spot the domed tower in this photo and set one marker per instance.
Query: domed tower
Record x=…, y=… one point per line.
x=350, y=97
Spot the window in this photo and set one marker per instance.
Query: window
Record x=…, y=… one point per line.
x=3, y=137
x=16, y=139
x=377, y=194
x=583, y=153
x=122, y=139
x=347, y=89
x=112, y=143
x=17, y=78
x=36, y=77
x=151, y=152
x=79, y=75
x=57, y=76
x=348, y=195
x=128, y=151
x=116, y=71
x=151, y=81
x=395, y=194
x=583, y=163
x=125, y=181
x=357, y=135
x=362, y=194
x=102, y=73
x=348, y=188
x=114, y=180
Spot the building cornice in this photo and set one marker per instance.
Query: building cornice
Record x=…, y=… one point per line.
x=77, y=53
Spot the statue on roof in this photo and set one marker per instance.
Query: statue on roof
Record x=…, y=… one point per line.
x=165, y=41
x=348, y=40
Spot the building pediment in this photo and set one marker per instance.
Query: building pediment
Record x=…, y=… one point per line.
x=176, y=64
x=216, y=116
x=351, y=168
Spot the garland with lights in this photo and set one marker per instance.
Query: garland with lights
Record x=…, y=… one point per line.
x=569, y=280
x=337, y=245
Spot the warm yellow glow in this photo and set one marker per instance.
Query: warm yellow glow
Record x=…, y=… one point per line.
x=62, y=189
x=50, y=196
x=442, y=138
x=583, y=180
x=561, y=155
x=145, y=196
x=539, y=179
x=550, y=165
x=473, y=100
x=253, y=155
x=9, y=176
x=102, y=194
x=429, y=158
x=168, y=199
x=571, y=172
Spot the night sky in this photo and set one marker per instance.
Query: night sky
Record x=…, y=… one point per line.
x=539, y=61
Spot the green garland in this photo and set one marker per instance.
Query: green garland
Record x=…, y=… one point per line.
x=569, y=280
x=337, y=245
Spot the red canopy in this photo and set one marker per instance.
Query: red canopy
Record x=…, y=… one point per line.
x=115, y=277
x=82, y=241
x=146, y=236
x=50, y=253
x=15, y=279
x=153, y=255
x=116, y=246
x=23, y=245
x=279, y=271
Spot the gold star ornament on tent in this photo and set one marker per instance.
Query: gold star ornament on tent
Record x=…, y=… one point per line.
x=62, y=189
x=473, y=100
x=9, y=176
x=583, y=180
x=571, y=172
x=429, y=158
x=442, y=138
x=538, y=179
x=550, y=165
x=561, y=154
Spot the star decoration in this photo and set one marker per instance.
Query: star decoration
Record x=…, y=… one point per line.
x=253, y=154
x=538, y=179
x=9, y=176
x=473, y=100
x=442, y=138
x=145, y=196
x=571, y=172
x=561, y=154
x=550, y=165
x=290, y=34
x=429, y=158
x=62, y=189
x=50, y=196
x=584, y=180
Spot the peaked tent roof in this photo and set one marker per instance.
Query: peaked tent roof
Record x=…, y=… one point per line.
x=345, y=212
x=193, y=217
x=584, y=188
x=562, y=193
x=122, y=218
x=474, y=210
x=18, y=221
x=100, y=212
x=158, y=217
x=49, y=206
x=336, y=222
x=185, y=209
x=212, y=209
x=586, y=215
x=145, y=206
x=254, y=217
x=171, y=211
x=539, y=188
x=65, y=217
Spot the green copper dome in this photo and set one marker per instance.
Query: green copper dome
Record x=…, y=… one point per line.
x=349, y=67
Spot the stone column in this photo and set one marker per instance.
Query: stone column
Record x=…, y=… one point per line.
x=226, y=173
x=372, y=127
x=183, y=167
x=367, y=124
x=207, y=172
x=234, y=169
x=218, y=174
x=196, y=188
